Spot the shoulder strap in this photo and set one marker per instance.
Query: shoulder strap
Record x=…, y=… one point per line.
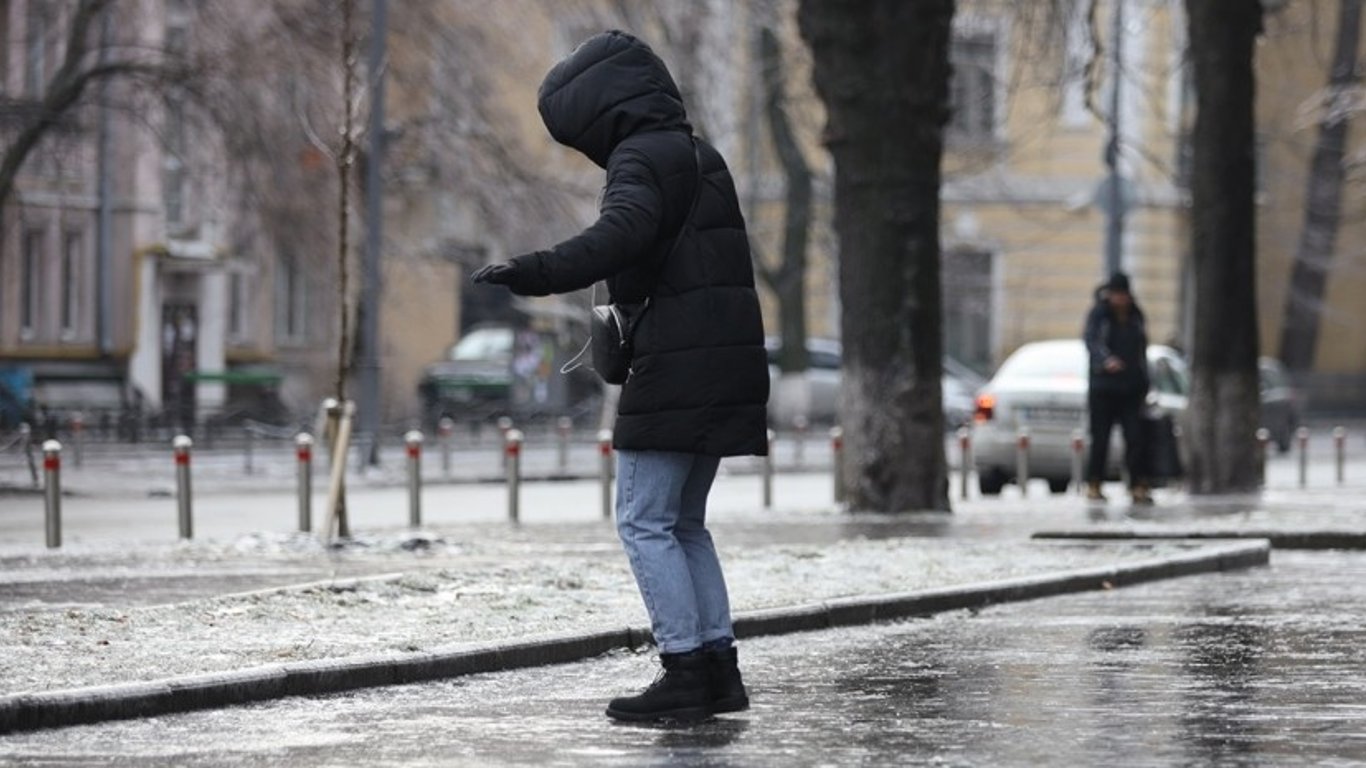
x=687, y=220
x=692, y=208
x=629, y=331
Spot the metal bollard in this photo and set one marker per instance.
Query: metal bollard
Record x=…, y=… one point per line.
x=1022, y=460
x=768, y=473
x=303, y=452
x=504, y=427
x=1078, y=450
x=1340, y=453
x=52, y=492
x=512, y=454
x=605, y=471
x=413, y=440
x=964, y=460
x=78, y=437
x=181, y=446
x=837, y=454
x=801, y=425
x=1302, y=437
x=444, y=429
x=1263, y=440
x=563, y=427
x=248, y=460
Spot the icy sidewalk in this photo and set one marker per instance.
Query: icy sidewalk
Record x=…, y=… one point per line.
x=403, y=593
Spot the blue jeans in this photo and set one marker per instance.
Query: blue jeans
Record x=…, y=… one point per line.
x=661, y=519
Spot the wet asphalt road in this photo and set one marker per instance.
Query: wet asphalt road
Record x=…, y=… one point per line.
x=1260, y=667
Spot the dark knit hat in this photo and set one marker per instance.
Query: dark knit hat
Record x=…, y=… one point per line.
x=1119, y=283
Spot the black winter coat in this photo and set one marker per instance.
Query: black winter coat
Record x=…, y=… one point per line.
x=699, y=378
x=1105, y=336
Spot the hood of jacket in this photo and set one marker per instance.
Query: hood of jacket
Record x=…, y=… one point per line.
x=612, y=86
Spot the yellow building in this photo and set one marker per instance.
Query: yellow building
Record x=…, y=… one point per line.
x=1293, y=66
x=1023, y=233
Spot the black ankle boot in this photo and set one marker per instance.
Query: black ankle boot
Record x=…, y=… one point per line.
x=680, y=692
x=727, y=688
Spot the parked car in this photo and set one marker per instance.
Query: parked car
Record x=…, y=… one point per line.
x=496, y=369
x=823, y=375
x=1042, y=388
x=1282, y=406
x=475, y=377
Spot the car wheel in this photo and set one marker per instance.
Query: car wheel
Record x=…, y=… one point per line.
x=1058, y=484
x=991, y=481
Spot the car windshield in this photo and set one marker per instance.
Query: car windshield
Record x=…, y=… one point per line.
x=484, y=344
x=1046, y=361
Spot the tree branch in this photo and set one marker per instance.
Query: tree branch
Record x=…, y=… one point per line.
x=64, y=91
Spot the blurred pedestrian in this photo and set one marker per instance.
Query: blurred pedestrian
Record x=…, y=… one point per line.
x=1117, y=342
x=698, y=385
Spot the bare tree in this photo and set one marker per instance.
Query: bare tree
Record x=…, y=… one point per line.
x=882, y=69
x=1323, y=202
x=787, y=280
x=88, y=58
x=1225, y=401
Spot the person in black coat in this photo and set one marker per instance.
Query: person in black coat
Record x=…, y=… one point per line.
x=698, y=387
x=1117, y=343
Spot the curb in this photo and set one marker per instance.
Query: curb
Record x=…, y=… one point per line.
x=1323, y=539
x=52, y=709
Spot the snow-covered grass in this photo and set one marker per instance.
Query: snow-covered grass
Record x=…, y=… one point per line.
x=409, y=592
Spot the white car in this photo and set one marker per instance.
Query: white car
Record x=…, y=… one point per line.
x=824, y=374
x=1041, y=388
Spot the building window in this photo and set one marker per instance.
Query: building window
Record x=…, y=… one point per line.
x=967, y=277
x=4, y=46
x=31, y=282
x=292, y=298
x=174, y=176
x=73, y=258
x=1076, y=58
x=237, y=306
x=972, y=91
x=36, y=23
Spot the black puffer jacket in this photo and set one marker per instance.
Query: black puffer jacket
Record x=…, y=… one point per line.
x=1106, y=337
x=699, y=381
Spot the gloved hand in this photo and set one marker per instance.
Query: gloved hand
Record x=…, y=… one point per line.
x=519, y=275
x=495, y=274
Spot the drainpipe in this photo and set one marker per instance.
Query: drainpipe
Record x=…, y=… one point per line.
x=1114, y=229
x=103, y=297
x=372, y=287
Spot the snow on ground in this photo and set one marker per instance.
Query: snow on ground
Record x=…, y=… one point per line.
x=406, y=592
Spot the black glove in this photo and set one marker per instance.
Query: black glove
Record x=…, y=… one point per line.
x=495, y=274
x=520, y=275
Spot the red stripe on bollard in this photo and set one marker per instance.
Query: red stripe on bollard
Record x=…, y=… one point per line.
x=414, y=450
x=182, y=459
x=304, y=454
x=52, y=463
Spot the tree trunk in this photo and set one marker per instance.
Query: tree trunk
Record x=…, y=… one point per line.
x=1225, y=402
x=882, y=69
x=1323, y=200
x=788, y=280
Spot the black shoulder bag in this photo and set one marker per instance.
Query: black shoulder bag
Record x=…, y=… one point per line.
x=613, y=326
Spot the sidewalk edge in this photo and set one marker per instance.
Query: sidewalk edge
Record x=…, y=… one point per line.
x=51, y=709
x=1323, y=538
